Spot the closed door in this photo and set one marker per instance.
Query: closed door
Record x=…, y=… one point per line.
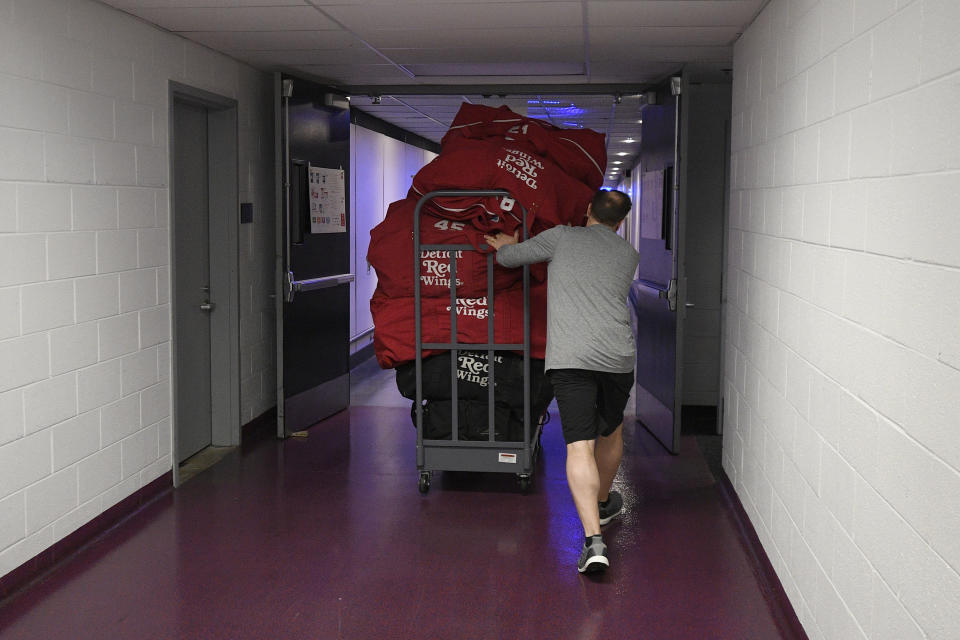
x=191, y=259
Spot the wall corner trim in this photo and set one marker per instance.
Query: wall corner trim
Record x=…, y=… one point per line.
x=782, y=611
x=52, y=558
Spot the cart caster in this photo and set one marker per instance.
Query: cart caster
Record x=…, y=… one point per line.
x=525, y=481
x=424, y=484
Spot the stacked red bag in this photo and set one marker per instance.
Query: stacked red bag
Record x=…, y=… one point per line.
x=552, y=172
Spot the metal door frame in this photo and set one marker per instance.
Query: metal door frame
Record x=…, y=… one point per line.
x=223, y=166
x=280, y=206
x=680, y=185
x=685, y=140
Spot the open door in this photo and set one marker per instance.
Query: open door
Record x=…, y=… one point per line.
x=676, y=299
x=655, y=294
x=313, y=241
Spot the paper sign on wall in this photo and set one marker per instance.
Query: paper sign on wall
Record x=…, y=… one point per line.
x=328, y=211
x=651, y=205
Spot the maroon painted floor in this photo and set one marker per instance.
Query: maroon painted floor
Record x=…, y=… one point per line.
x=327, y=537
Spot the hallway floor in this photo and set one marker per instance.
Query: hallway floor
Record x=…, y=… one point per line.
x=328, y=537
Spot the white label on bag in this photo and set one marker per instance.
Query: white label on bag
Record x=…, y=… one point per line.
x=510, y=458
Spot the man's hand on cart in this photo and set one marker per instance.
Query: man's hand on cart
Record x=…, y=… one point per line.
x=502, y=239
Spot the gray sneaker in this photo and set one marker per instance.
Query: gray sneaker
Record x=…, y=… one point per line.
x=593, y=558
x=611, y=508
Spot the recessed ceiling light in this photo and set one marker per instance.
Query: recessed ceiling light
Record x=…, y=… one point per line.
x=617, y=162
x=629, y=140
x=623, y=153
x=639, y=121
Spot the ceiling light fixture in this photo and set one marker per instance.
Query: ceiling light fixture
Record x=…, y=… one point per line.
x=622, y=153
x=617, y=162
x=629, y=141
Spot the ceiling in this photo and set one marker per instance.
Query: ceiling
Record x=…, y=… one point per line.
x=580, y=63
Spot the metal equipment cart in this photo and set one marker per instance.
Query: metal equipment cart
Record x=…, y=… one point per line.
x=472, y=455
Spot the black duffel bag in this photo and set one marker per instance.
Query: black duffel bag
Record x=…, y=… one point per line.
x=472, y=420
x=473, y=377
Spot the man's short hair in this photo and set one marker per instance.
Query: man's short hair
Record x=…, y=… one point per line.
x=609, y=207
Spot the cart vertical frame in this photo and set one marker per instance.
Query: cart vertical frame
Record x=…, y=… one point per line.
x=456, y=454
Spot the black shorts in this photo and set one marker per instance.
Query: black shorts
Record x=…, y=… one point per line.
x=591, y=403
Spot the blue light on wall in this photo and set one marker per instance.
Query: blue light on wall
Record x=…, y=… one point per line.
x=570, y=111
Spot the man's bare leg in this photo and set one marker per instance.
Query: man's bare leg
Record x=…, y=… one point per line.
x=608, y=453
x=584, y=481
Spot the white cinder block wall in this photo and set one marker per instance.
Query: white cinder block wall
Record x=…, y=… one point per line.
x=842, y=345
x=258, y=322
x=84, y=258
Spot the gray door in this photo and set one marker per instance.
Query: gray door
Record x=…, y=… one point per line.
x=191, y=274
x=676, y=298
x=654, y=297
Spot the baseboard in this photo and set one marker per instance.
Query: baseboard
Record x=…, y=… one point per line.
x=261, y=428
x=784, y=615
x=360, y=356
x=309, y=407
x=61, y=551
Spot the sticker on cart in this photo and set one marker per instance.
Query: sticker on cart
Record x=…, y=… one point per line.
x=510, y=458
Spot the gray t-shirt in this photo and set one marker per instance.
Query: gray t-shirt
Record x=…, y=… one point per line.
x=590, y=273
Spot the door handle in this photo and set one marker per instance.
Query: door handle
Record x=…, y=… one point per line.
x=312, y=284
x=208, y=306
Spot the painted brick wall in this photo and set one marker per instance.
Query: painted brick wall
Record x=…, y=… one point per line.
x=84, y=258
x=258, y=324
x=842, y=315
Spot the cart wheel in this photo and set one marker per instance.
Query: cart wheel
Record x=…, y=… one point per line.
x=525, y=481
x=424, y=484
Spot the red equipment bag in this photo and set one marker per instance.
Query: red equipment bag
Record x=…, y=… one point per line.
x=391, y=254
x=549, y=194
x=581, y=152
x=394, y=341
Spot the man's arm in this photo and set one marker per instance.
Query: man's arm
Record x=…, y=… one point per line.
x=539, y=248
